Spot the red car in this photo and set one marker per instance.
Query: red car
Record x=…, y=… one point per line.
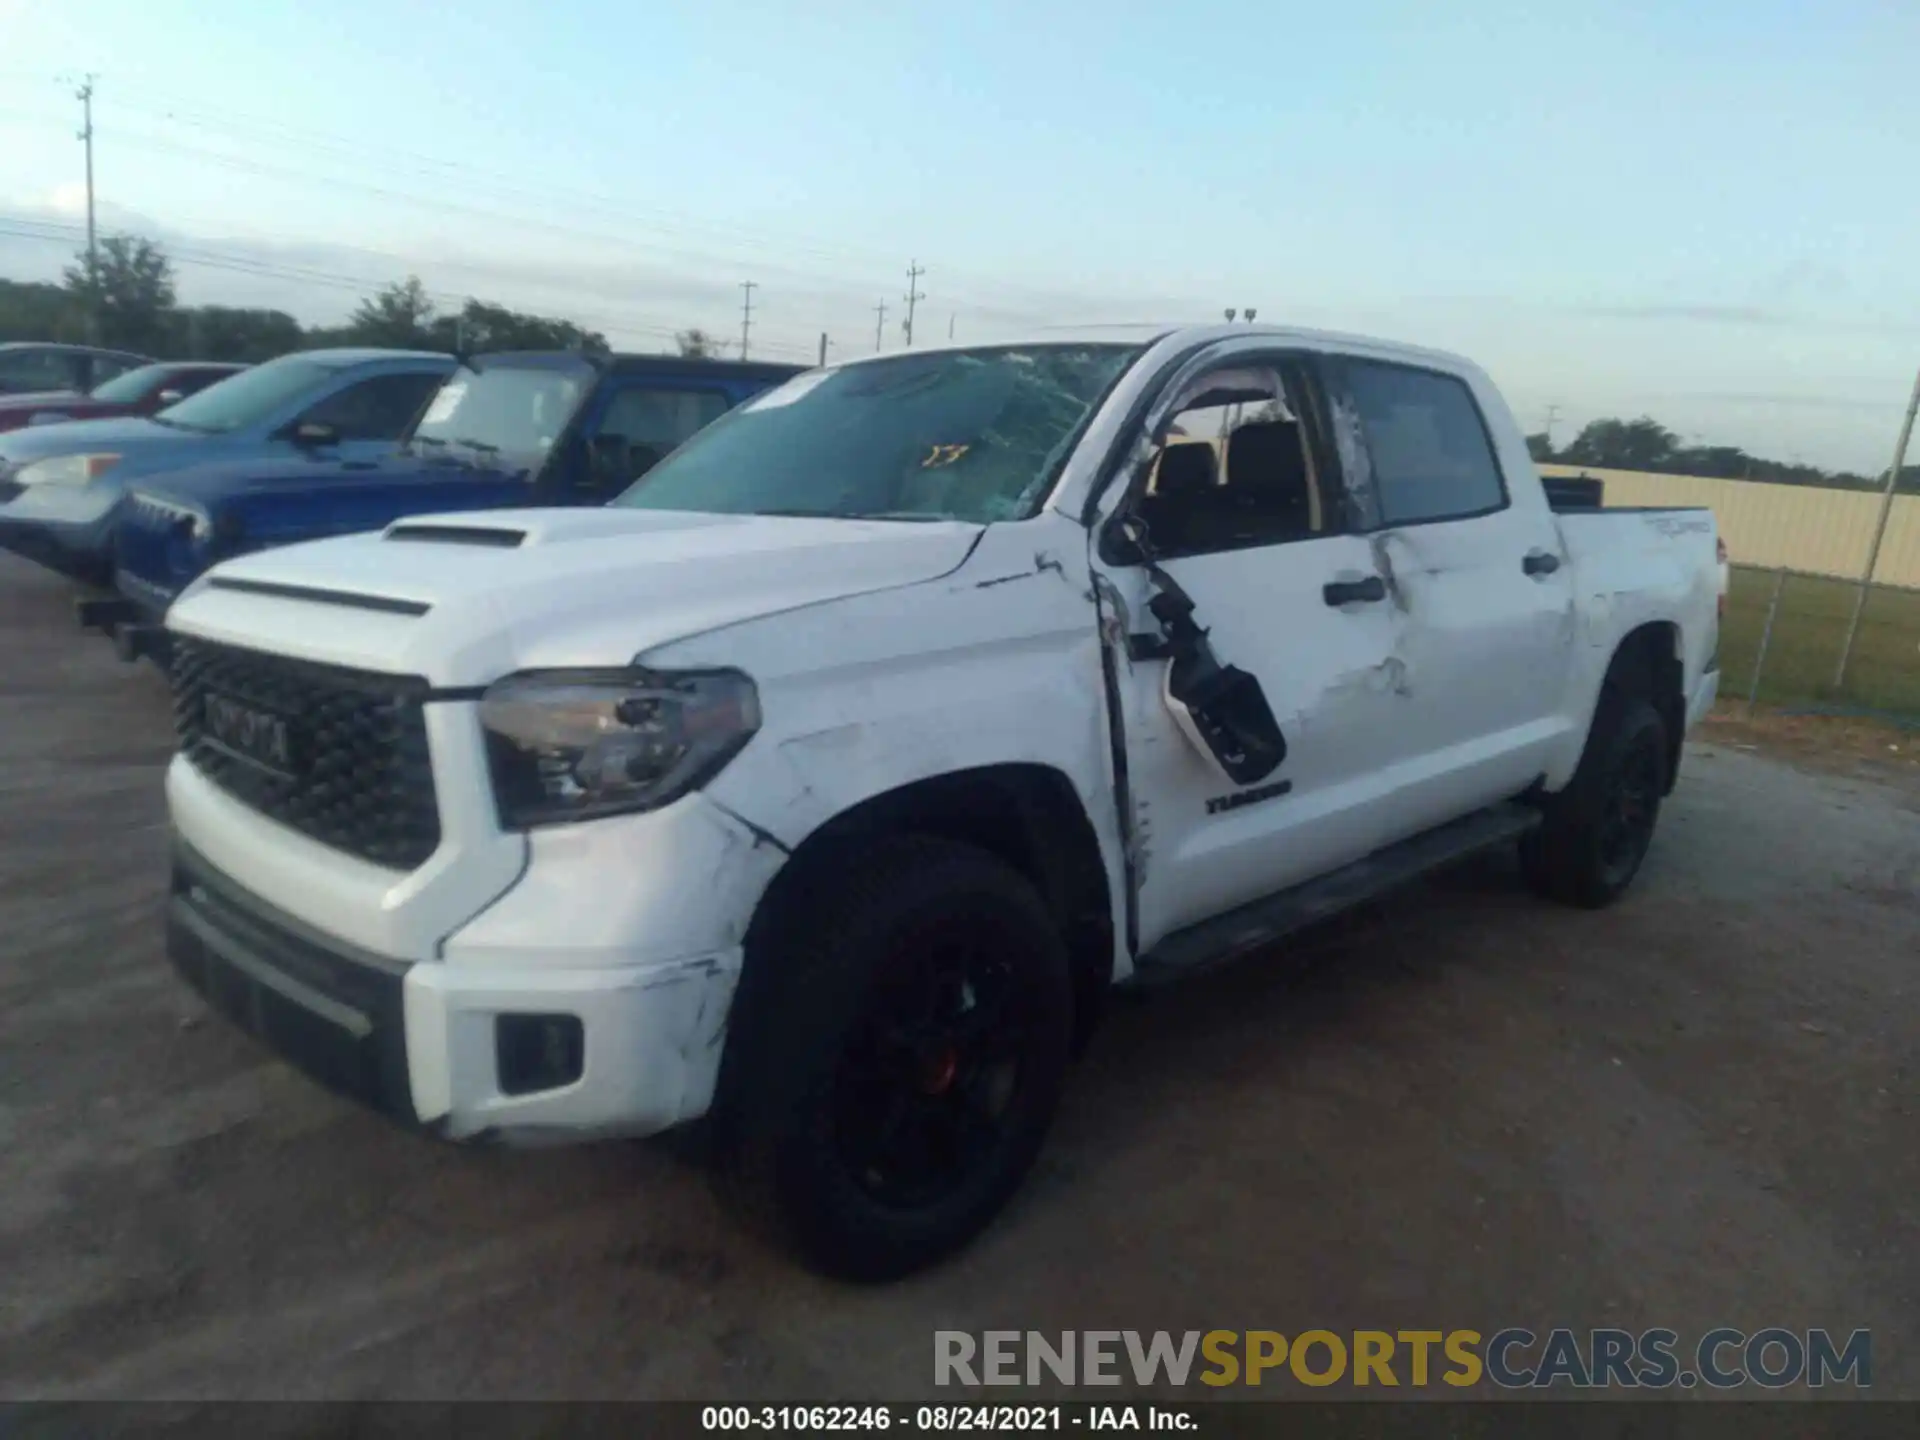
x=140, y=391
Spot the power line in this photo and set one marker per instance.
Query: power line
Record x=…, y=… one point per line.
x=914, y=295
x=1009, y=300
x=54, y=232
x=357, y=152
x=747, y=287
x=194, y=112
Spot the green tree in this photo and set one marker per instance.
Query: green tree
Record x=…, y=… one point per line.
x=219, y=332
x=481, y=326
x=697, y=344
x=1643, y=444
x=128, y=291
x=1540, y=447
x=400, y=315
x=39, y=311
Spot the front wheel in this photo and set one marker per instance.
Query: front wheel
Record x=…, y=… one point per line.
x=1596, y=832
x=896, y=1055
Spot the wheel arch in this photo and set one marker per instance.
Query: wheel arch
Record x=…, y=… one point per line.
x=1648, y=664
x=1028, y=815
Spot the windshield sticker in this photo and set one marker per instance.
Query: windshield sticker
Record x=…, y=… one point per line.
x=795, y=389
x=942, y=455
x=445, y=402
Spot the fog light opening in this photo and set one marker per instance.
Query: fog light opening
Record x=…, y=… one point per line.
x=538, y=1052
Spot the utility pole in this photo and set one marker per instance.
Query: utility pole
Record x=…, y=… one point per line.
x=879, y=325
x=914, y=295
x=1553, y=414
x=1879, y=533
x=747, y=287
x=85, y=96
x=950, y=319
x=823, y=347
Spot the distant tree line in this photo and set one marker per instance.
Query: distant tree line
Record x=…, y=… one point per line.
x=1646, y=444
x=127, y=301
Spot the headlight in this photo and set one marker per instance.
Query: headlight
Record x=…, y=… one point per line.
x=575, y=744
x=66, y=470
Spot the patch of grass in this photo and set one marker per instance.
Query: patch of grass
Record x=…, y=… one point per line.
x=1884, y=674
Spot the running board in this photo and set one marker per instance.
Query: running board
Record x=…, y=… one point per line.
x=1276, y=916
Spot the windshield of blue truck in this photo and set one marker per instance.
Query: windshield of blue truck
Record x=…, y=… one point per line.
x=971, y=435
x=250, y=398
x=517, y=411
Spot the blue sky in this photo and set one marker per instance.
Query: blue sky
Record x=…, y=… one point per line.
x=1705, y=211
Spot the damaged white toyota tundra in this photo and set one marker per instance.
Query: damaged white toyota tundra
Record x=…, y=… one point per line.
x=823, y=783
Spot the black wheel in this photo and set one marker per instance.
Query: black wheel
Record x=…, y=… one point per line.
x=895, y=1056
x=1596, y=831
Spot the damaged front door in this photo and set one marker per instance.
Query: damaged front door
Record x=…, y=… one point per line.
x=1234, y=504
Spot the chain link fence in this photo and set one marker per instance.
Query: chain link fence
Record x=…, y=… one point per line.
x=1781, y=640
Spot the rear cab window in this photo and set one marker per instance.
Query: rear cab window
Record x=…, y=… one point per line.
x=1431, y=454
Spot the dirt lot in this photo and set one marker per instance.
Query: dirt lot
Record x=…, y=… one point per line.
x=1463, y=1109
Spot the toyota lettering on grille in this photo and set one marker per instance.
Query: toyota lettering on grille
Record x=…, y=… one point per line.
x=259, y=737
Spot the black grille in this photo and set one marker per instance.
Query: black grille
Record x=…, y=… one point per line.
x=359, y=777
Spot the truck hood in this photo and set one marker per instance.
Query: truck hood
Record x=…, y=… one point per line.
x=125, y=434
x=464, y=599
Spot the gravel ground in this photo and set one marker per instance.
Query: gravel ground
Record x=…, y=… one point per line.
x=1461, y=1109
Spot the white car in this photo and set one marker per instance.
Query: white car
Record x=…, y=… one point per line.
x=824, y=782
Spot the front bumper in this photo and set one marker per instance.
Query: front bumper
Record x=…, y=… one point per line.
x=422, y=1042
x=137, y=632
x=63, y=528
x=334, y=1013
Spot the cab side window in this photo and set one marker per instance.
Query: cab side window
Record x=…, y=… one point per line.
x=1236, y=469
x=642, y=424
x=1431, y=456
x=103, y=368
x=379, y=408
x=28, y=370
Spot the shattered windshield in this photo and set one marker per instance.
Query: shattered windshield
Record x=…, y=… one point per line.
x=971, y=435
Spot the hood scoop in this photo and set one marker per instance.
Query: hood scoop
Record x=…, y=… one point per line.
x=318, y=595
x=483, y=535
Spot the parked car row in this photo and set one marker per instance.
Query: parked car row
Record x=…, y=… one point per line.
x=144, y=390
x=29, y=367
x=332, y=441
x=820, y=777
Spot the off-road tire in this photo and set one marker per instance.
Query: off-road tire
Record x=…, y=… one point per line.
x=1576, y=855
x=803, y=999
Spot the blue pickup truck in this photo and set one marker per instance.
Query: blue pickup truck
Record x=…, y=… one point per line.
x=505, y=430
x=61, y=486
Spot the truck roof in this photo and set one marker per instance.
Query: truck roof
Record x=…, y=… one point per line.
x=343, y=355
x=631, y=364
x=1145, y=335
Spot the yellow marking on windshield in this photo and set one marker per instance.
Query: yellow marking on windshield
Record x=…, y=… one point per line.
x=943, y=455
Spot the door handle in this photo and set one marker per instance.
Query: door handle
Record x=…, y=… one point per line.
x=1348, y=592
x=1540, y=562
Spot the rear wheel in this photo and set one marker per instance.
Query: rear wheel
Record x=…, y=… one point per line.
x=1596, y=832
x=896, y=1055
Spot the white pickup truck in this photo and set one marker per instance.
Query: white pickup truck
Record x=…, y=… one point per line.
x=824, y=782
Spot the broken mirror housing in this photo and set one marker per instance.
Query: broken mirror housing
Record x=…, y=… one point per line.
x=565, y=745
